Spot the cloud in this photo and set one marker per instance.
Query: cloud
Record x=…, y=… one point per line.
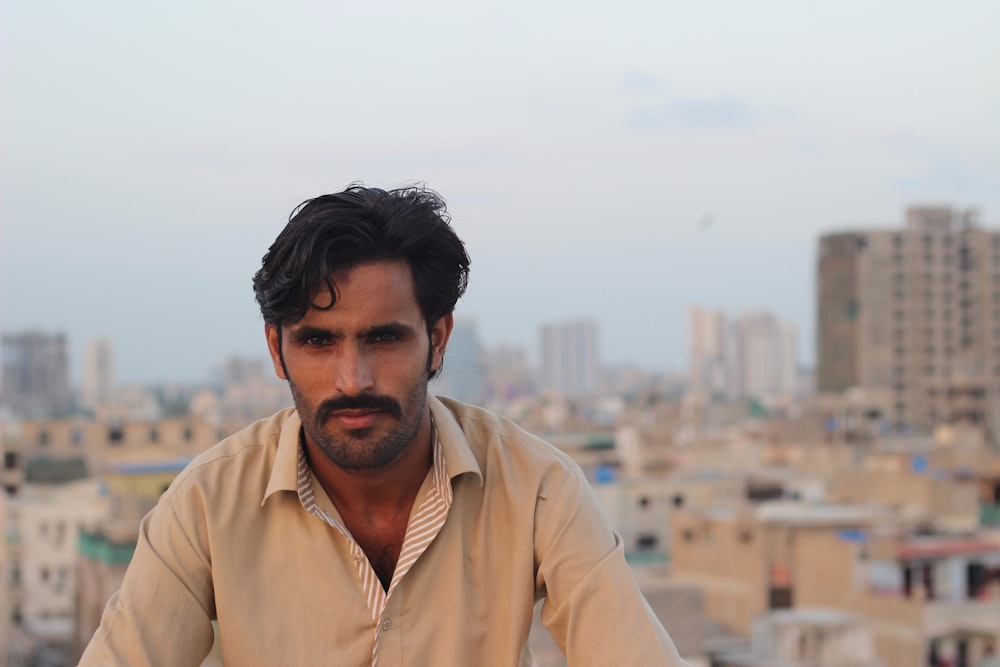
x=951, y=178
x=636, y=82
x=698, y=114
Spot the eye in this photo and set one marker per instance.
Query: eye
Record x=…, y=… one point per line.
x=316, y=341
x=384, y=337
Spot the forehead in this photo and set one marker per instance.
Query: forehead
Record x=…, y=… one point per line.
x=375, y=290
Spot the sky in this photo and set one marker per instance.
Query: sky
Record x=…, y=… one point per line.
x=619, y=161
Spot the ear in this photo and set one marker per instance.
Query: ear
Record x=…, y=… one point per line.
x=274, y=347
x=440, y=333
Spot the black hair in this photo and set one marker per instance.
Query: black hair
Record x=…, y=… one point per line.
x=362, y=225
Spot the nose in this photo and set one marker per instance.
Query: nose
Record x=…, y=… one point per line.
x=353, y=372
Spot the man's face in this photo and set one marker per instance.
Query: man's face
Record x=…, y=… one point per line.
x=358, y=371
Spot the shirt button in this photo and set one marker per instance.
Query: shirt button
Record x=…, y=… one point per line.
x=386, y=624
x=357, y=557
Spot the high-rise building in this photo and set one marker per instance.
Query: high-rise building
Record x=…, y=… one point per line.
x=98, y=373
x=711, y=362
x=570, y=360
x=768, y=355
x=35, y=374
x=509, y=373
x=912, y=316
x=462, y=375
x=753, y=356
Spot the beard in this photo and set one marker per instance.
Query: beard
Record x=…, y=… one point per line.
x=364, y=448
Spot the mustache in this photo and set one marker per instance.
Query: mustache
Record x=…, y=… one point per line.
x=361, y=402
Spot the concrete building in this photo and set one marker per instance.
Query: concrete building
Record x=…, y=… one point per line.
x=930, y=599
x=98, y=374
x=250, y=391
x=35, y=374
x=912, y=316
x=570, y=359
x=952, y=483
x=711, y=354
x=84, y=446
x=767, y=365
x=754, y=356
x=42, y=550
x=509, y=375
x=806, y=637
x=745, y=560
x=463, y=375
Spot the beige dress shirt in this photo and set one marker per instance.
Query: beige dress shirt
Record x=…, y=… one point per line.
x=246, y=536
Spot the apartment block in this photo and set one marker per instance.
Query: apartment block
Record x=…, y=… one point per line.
x=752, y=356
x=98, y=374
x=570, y=358
x=912, y=316
x=806, y=637
x=463, y=374
x=35, y=380
x=930, y=598
x=45, y=521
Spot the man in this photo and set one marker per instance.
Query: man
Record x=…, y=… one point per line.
x=374, y=524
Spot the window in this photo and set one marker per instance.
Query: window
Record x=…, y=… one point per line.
x=647, y=542
x=11, y=459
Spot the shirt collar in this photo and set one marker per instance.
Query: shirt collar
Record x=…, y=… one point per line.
x=284, y=470
x=454, y=448
x=458, y=456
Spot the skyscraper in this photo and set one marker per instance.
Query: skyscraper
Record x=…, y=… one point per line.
x=35, y=374
x=98, y=373
x=912, y=315
x=570, y=361
x=768, y=355
x=754, y=356
x=711, y=364
x=462, y=375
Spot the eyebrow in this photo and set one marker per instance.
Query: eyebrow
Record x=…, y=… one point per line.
x=305, y=332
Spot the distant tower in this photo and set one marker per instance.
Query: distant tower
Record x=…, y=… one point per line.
x=711, y=354
x=768, y=355
x=570, y=362
x=912, y=316
x=462, y=375
x=98, y=373
x=35, y=374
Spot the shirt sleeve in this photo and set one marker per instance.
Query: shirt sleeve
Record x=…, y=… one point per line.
x=162, y=615
x=593, y=606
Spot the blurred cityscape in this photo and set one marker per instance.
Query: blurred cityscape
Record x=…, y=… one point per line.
x=845, y=513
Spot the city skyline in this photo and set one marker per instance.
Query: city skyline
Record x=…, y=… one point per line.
x=616, y=163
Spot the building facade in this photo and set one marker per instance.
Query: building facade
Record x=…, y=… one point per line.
x=912, y=316
x=570, y=358
x=462, y=375
x=35, y=374
x=98, y=373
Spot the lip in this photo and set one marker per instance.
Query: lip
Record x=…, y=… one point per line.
x=355, y=419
